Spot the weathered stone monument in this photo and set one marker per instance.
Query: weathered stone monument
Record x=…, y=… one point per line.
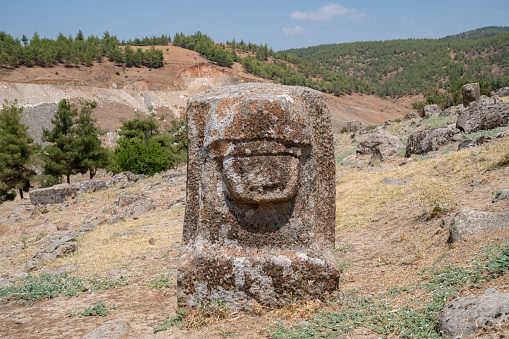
x=471, y=92
x=260, y=214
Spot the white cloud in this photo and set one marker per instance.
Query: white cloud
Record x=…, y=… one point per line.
x=328, y=12
x=293, y=31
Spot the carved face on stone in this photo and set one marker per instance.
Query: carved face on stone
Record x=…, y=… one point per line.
x=259, y=221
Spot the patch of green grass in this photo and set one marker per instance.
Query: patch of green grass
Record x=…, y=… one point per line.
x=176, y=320
x=437, y=121
x=477, y=135
x=390, y=314
x=98, y=309
x=160, y=281
x=46, y=285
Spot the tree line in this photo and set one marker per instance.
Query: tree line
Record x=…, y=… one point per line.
x=75, y=51
x=74, y=147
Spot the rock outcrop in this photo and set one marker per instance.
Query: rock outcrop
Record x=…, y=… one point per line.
x=122, y=180
x=52, y=195
x=484, y=114
x=89, y=186
x=471, y=92
x=429, y=140
x=132, y=204
x=464, y=316
x=468, y=222
x=430, y=110
x=381, y=144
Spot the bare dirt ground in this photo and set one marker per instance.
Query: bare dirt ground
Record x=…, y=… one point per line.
x=383, y=239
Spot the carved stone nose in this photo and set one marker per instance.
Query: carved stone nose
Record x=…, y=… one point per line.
x=261, y=179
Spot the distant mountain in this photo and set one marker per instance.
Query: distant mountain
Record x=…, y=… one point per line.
x=479, y=33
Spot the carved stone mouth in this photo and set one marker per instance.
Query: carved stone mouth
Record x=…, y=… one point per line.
x=261, y=179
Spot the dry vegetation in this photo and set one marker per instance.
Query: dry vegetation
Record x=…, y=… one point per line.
x=386, y=237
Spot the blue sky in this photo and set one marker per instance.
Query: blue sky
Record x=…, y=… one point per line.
x=280, y=24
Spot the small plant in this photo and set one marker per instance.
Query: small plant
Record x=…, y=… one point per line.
x=370, y=127
x=161, y=117
x=98, y=309
x=126, y=76
x=436, y=198
x=46, y=285
x=23, y=239
x=40, y=236
x=160, y=281
x=56, y=73
x=176, y=320
x=117, y=73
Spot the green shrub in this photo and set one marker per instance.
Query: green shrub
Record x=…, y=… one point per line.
x=140, y=157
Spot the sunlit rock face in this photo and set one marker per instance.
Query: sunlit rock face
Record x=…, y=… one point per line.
x=260, y=213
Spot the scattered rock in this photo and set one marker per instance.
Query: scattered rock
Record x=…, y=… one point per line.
x=464, y=316
x=353, y=126
x=398, y=182
x=123, y=180
x=113, y=220
x=477, y=182
x=133, y=204
x=502, y=195
x=429, y=140
x=484, y=114
x=152, y=241
x=119, y=273
x=89, y=186
x=471, y=92
x=113, y=329
x=55, y=241
x=64, y=226
x=468, y=222
x=453, y=110
x=381, y=144
x=466, y=144
x=411, y=115
x=430, y=110
x=65, y=248
x=172, y=174
x=52, y=195
x=67, y=268
x=6, y=282
x=503, y=92
x=87, y=227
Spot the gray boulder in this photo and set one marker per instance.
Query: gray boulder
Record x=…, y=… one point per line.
x=468, y=222
x=429, y=140
x=353, y=126
x=471, y=92
x=122, y=180
x=52, y=195
x=113, y=329
x=89, y=186
x=411, y=115
x=382, y=144
x=484, y=114
x=502, y=195
x=453, y=110
x=464, y=316
x=133, y=204
x=430, y=110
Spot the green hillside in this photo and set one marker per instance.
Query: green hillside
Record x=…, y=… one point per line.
x=480, y=33
x=401, y=67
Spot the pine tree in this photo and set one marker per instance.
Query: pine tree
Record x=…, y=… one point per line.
x=91, y=155
x=16, y=151
x=61, y=157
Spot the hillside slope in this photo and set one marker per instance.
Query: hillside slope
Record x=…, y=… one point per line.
x=120, y=91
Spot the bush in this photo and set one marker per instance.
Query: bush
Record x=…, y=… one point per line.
x=436, y=198
x=141, y=157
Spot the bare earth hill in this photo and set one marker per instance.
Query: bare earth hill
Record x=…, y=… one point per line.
x=120, y=91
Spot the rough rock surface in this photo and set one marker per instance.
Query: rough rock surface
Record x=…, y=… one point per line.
x=453, y=110
x=259, y=220
x=471, y=92
x=468, y=222
x=486, y=113
x=52, y=195
x=382, y=144
x=430, y=110
x=411, y=115
x=89, y=186
x=133, y=204
x=353, y=126
x=113, y=329
x=122, y=179
x=465, y=315
x=429, y=140
x=502, y=195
